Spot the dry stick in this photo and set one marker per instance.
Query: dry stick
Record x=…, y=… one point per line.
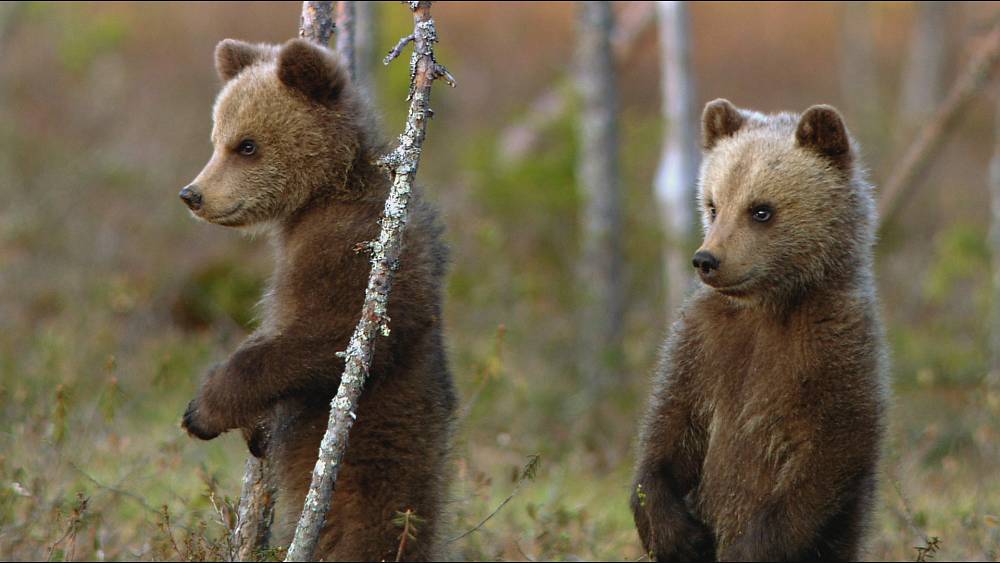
x=905, y=178
x=402, y=164
x=345, y=35
x=519, y=138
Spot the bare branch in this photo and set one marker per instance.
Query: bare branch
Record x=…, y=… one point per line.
x=397, y=50
x=402, y=164
x=905, y=178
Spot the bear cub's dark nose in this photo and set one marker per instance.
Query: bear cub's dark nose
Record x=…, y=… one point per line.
x=705, y=261
x=191, y=197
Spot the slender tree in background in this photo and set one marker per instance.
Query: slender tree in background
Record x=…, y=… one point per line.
x=859, y=79
x=993, y=378
x=678, y=171
x=365, y=39
x=927, y=62
x=402, y=165
x=346, y=35
x=601, y=268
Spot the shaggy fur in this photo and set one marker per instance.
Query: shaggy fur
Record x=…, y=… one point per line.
x=310, y=181
x=762, y=438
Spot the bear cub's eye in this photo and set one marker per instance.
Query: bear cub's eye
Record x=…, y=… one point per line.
x=762, y=213
x=712, y=212
x=247, y=147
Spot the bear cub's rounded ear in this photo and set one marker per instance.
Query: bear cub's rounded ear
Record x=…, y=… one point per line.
x=311, y=69
x=720, y=119
x=232, y=56
x=822, y=129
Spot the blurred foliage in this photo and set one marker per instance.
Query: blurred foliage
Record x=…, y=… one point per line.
x=956, y=291
x=219, y=290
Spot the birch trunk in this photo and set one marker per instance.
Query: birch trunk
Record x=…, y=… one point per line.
x=859, y=75
x=600, y=272
x=402, y=164
x=345, y=35
x=678, y=171
x=928, y=55
x=365, y=39
x=993, y=379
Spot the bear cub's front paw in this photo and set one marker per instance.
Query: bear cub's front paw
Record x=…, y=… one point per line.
x=197, y=423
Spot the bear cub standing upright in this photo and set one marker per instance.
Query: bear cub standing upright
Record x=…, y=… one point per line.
x=294, y=147
x=762, y=438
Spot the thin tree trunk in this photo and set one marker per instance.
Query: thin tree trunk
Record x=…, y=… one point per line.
x=402, y=164
x=859, y=74
x=317, y=22
x=993, y=379
x=345, y=35
x=519, y=139
x=255, y=513
x=678, y=170
x=365, y=39
x=603, y=299
x=906, y=176
x=928, y=55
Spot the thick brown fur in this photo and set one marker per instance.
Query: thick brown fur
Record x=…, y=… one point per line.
x=311, y=183
x=762, y=438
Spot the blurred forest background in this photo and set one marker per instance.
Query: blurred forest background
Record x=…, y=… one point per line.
x=113, y=301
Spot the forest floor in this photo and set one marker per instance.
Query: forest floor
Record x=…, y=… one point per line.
x=96, y=466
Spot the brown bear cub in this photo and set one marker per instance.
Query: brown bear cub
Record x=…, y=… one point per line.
x=294, y=146
x=762, y=438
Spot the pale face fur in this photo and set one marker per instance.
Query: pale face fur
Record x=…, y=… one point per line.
x=300, y=144
x=813, y=228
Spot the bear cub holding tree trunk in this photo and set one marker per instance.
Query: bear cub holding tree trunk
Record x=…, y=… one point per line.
x=294, y=153
x=762, y=438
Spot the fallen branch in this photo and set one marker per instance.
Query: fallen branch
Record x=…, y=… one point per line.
x=402, y=165
x=907, y=176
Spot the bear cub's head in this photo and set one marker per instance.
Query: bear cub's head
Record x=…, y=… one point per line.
x=784, y=204
x=285, y=129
